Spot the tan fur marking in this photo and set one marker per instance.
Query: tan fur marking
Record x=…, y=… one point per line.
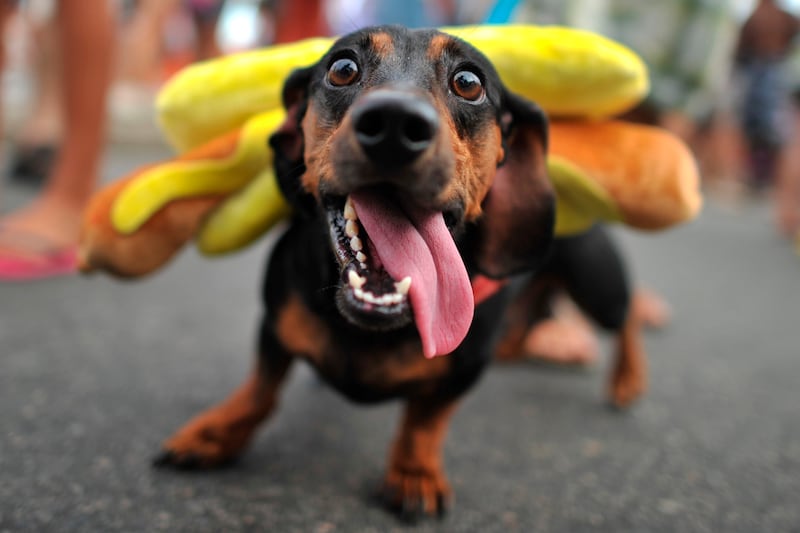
x=416, y=474
x=382, y=44
x=405, y=367
x=475, y=164
x=629, y=374
x=437, y=47
x=314, y=138
x=318, y=141
x=301, y=332
x=224, y=431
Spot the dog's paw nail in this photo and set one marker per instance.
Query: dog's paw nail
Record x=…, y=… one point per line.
x=442, y=505
x=622, y=404
x=411, y=511
x=172, y=459
x=164, y=458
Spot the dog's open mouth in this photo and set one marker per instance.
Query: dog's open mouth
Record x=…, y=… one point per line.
x=398, y=262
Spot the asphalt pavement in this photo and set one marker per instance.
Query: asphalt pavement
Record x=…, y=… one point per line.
x=94, y=373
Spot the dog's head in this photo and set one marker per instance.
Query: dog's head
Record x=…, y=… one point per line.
x=425, y=167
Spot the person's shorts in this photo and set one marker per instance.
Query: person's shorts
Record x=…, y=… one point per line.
x=765, y=109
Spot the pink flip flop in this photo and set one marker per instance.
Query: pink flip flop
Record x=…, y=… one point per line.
x=40, y=261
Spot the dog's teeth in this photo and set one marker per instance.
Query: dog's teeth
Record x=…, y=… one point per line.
x=393, y=298
x=355, y=280
x=361, y=257
x=351, y=228
x=403, y=285
x=350, y=210
x=356, y=244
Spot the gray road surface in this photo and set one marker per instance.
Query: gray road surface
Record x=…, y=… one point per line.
x=94, y=373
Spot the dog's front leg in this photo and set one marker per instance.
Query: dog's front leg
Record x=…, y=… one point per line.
x=415, y=483
x=221, y=433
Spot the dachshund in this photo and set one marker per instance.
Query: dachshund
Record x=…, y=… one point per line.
x=422, y=211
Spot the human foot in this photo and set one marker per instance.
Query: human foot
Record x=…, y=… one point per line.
x=562, y=341
x=787, y=219
x=651, y=309
x=39, y=241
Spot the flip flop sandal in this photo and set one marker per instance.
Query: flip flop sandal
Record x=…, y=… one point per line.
x=38, y=258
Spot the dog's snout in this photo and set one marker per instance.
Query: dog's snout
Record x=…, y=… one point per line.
x=393, y=127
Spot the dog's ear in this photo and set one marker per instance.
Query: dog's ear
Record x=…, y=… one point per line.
x=515, y=231
x=287, y=141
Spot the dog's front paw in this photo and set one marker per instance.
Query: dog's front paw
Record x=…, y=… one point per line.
x=416, y=493
x=207, y=441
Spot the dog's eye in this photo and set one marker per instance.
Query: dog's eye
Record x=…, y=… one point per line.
x=467, y=85
x=343, y=72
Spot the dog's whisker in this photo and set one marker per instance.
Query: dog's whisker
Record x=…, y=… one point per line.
x=352, y=23
x=329, y=288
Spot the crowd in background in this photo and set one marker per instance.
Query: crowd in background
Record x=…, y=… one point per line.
x=724, y=78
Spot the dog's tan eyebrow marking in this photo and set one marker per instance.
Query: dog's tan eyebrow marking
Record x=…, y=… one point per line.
x=382, y=44
x=439, y=45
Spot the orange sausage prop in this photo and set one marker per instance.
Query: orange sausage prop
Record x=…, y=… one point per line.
x=104, y=247
x=649, y=173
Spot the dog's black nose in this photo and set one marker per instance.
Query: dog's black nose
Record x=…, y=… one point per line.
x=394, y=127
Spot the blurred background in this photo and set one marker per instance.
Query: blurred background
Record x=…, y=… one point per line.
x=94, y=373
x=728, y=92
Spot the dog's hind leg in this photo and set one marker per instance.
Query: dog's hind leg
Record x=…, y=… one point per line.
x=629, y=375
x=415, y=483
x=595, y=275
x=220, y=434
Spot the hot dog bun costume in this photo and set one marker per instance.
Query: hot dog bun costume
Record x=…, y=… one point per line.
x=220, y=190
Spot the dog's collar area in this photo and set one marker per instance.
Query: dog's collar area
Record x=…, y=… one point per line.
x=484, y=287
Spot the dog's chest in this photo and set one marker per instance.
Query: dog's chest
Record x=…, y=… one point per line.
x=361, y=365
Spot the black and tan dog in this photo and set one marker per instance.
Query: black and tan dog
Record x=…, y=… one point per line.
x=419, y=188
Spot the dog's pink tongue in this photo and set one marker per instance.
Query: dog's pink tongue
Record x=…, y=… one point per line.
x=417, y=244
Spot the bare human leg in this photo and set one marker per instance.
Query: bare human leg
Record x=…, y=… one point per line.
x=46, y=229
